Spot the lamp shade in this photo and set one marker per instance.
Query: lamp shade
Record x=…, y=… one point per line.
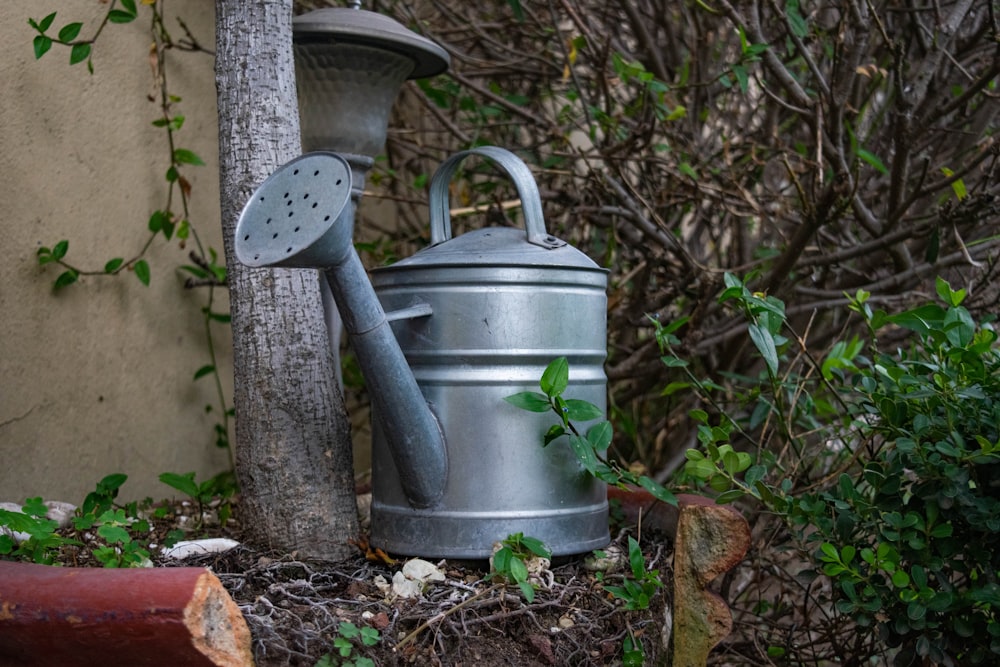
x=350, y=64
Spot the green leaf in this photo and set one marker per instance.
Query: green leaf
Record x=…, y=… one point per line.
x=658, y=491
x=673, y=362
x=142, y=271
x=518, y=570
x=79, y=53
x=729, y=496
x=635, y=560
x=764, y=342
x=69, y=32
x=686, y=169
x=114, y=534
x=957, y=186
x=111, y=483
x=584, y=451
x=531, y=401
x=555, y=432
x=184, y=156
x=183, y=483
x=742, y=78
x=555, y=378
x=796, y=22
x=527, y=590
x=582, y=411
x=535, y=546
x=947, y=294
x=67, y=277
x=59, y=250
x=203, y=371
x=157, y=220
x=348, y=630
x=515, y=7
x=916, y=611
x=698, y=415
x=754, y=474
x=674, y=387
x=119, y=16
x=600, y=435
x=42, y=45
x=44, y=24
x=113, y=265
x=830, y=553
x=873, y=160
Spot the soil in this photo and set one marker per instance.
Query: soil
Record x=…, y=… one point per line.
x=294, y=608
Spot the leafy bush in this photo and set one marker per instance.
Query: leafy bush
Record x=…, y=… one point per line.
x=906, y=523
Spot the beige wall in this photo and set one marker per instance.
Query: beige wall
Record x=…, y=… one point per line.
x=97, y=378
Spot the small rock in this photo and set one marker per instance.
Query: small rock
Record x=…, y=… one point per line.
x=565, y=622
x=381, y=621
x=421, y=570
x=406, y=588
x=609, y=559
x=382, y=585
x=187, y=548
x=60, y=512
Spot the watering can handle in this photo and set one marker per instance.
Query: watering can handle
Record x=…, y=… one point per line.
x=524, y=182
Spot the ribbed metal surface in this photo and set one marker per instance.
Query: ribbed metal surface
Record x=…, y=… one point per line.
x=505, y=303
x=493, y=332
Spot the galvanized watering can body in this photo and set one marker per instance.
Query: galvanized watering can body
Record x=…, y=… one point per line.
x=505, y=303
x=442, y=338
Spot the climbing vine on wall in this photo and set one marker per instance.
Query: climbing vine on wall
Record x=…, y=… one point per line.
x=172, y=220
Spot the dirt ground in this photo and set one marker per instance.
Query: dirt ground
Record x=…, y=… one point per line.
x=295, y=609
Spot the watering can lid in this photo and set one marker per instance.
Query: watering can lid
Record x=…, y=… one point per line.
x=495, y=247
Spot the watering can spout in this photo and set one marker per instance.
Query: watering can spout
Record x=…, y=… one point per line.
x=412, y=432
x=302, y=216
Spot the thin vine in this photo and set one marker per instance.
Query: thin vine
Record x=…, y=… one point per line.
x=172, y=221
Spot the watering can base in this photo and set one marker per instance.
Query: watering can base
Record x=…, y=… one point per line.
x=471, y=535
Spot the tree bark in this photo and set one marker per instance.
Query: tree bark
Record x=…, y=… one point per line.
x=293, y=452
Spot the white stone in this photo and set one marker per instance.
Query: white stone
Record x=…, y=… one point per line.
x=382, y=585
x=612, y=559
x=187, y=548
x=60, y=512
x=421, y=570
x=406, y=588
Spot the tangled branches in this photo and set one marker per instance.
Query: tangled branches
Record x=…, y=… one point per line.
x=294, y=609
x=825, y=147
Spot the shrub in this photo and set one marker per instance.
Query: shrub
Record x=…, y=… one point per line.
x=907, y=524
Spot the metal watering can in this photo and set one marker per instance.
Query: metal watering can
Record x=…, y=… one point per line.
x=441, y=338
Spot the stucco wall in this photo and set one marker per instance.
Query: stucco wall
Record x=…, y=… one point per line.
x=97, y=378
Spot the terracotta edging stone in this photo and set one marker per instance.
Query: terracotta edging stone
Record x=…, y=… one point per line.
x=96, y=617
x=711, y=539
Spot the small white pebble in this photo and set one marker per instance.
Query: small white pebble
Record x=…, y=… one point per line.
x=187, y=548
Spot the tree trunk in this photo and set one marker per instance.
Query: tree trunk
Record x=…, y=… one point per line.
x=293, y=453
